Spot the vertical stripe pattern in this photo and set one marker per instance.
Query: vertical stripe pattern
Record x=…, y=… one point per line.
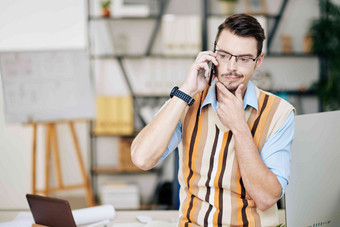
x=212, y=190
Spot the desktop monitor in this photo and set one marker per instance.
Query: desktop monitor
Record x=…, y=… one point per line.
x=313, y=193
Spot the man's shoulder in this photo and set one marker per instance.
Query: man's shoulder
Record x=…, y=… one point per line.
x=280, y=110
x=283, y=103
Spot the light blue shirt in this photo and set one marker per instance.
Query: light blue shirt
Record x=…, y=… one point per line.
x=276, y=150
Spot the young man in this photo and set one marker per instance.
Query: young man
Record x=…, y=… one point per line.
x=234, y=164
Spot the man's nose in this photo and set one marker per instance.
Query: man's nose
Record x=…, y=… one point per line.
x=232, y=64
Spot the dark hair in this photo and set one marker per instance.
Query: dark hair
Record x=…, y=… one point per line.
x=243, y=25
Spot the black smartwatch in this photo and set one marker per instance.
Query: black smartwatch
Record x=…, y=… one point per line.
x=180, y=94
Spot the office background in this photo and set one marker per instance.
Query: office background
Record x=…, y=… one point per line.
x=59, y=25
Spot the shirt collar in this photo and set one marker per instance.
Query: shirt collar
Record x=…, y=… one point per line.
x=249, y=99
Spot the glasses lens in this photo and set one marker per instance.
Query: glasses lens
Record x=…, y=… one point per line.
x=240, y=61
x=244, y=61
x=223, y=57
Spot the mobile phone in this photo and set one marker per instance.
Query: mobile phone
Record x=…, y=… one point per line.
x=212, y=72
x=212, y=67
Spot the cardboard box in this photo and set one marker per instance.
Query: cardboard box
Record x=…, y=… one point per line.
x=114, y=115
x=125, y=162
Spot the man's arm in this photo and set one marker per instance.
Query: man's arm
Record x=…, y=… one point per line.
x=276, y=153
x=261, y=183
x=152, y=141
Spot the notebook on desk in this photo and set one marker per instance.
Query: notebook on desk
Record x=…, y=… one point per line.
x=51, y=211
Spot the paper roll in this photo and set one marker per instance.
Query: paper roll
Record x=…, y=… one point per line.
x=93, y=214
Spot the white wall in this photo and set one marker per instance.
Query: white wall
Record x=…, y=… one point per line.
x=42, y=24
x=37, y=25
x=15, y=166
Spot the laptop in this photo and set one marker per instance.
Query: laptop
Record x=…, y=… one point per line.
x=313, y=193
x=51, y=211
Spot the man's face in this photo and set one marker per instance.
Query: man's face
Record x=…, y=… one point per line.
x=231, y=73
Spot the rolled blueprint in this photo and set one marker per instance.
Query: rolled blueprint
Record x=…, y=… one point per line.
x=93, y=214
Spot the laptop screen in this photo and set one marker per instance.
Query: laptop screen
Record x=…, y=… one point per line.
x=50, y=211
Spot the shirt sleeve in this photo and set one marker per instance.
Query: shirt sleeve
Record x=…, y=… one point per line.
x=175, y=139
x=276, y=153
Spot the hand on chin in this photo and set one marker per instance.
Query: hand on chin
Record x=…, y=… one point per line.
x=231, y=86
x=231, y=81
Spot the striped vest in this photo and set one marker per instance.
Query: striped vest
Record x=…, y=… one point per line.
x=212, y=192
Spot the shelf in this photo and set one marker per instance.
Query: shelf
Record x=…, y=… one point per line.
x=120, y=57
x=114, y=170
x=99, y=18
x=94, y=134
x=291, y=55
x=125, y=166
x=151, y=96
x=268, y=16
x=162, y=56
x=295, y=92
x=139, y=56
x=290, y=92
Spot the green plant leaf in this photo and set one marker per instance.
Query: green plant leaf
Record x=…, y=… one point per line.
x=326, y=43
x=281, y=225
x=105, y=4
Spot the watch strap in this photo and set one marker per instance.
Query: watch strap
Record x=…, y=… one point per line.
x=180, y=94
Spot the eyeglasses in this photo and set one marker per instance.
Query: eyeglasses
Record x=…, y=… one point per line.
x=242, y=61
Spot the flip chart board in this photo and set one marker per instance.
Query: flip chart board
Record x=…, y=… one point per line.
x=46, y=86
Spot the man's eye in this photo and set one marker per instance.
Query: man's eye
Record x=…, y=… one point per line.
x=223, y=56
x=244, y=59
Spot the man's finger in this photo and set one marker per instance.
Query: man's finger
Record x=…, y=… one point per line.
x=202, y=65
x=238, y=92
x=205, y=53
x=224, y=90
x=207, y=58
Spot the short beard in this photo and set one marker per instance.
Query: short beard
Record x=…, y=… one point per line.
x=231, y=88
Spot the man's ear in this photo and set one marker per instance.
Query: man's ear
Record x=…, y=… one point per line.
x=259, y=61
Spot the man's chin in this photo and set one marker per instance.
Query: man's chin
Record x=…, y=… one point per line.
x=231, y=87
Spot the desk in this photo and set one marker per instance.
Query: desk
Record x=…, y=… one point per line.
x=162, y=218
x=128, y=218
x=161, y=215
x=8, y=215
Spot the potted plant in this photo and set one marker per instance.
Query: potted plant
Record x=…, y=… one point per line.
x=105, y=5
x=326, y=43
x=227, y=6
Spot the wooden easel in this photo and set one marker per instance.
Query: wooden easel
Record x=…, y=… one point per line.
x=51, y=142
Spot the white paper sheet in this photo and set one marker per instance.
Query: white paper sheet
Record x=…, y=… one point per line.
x=81, y=216
x=17, y=223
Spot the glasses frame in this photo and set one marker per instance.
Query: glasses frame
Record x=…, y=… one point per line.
x=213, y=67
x=236, y=57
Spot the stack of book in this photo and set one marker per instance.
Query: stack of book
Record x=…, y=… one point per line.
x=121, y=195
